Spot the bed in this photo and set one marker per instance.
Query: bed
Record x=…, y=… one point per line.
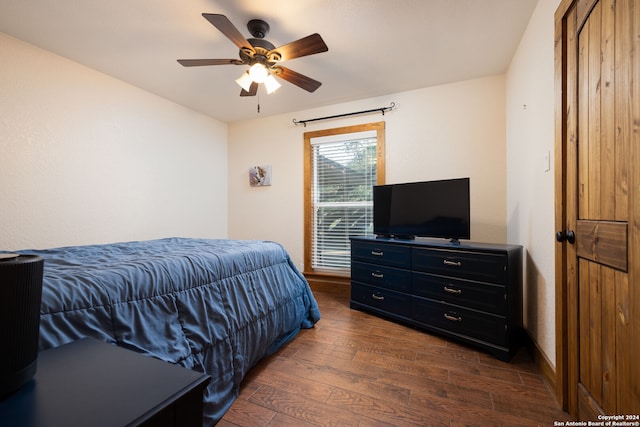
x=216, y=306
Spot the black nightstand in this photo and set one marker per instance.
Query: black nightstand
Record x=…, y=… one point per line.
x=91, y=383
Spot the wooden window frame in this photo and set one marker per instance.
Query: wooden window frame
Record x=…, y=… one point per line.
x=379, y=128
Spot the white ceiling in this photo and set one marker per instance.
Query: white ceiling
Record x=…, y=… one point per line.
x=376, y=47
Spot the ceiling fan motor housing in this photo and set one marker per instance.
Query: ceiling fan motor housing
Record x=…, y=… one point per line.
x=261, y=53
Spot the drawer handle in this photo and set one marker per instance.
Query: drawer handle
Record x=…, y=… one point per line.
x=452, y=263
x=452, y=291
x=377, y=275
x=377, y=253
x=452, y=318
x=377, y=297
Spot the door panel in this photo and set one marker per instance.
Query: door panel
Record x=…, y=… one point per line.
x=601, y=240
x=598, y=324
x=599, y=297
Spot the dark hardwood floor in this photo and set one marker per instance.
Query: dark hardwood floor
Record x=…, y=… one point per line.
x=355, y=369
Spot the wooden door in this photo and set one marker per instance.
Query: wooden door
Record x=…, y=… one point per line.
x=598, y=206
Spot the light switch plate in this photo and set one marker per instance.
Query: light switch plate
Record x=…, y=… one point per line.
x=547, y=161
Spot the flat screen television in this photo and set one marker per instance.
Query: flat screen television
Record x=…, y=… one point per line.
x=439, y=209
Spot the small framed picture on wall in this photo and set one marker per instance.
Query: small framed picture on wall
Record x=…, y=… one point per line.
x=260, y=176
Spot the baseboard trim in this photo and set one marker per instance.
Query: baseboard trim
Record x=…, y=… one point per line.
x=542, y=363
x=329, y=283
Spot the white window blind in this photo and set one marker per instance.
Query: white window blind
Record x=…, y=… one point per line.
x=343, y=175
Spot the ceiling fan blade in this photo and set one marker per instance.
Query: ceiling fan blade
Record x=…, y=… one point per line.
x=300, y=80
x=225, y=26
x=253, y=89
x=309, y=45
x=199, y=62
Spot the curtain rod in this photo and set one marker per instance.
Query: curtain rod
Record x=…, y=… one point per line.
x=381, y=109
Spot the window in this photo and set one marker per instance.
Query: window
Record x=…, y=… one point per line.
x=341, y=167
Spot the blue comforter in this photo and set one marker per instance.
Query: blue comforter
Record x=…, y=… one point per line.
x=216, y=306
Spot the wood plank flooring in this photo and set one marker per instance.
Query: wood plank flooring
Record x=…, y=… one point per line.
x=355, y=369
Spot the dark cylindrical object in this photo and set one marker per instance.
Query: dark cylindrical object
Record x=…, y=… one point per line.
x=20, y=298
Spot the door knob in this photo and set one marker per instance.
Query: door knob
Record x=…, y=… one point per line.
x=569, y=236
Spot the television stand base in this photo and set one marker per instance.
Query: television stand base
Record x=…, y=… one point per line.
x=384, y=236
x=404, y=237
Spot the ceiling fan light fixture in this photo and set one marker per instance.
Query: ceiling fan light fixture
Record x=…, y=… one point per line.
x=271, y=84
x=258, y=72
x=244, y=81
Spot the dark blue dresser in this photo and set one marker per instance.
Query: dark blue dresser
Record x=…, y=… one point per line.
x=471, y=292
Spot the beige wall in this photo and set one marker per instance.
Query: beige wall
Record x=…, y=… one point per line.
x=448, y=131
x=85, y=158
x=530, y=195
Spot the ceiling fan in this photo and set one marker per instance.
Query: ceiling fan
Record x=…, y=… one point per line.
x=262, y=57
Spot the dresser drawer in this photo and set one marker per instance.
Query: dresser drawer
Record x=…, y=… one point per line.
x=478, y=295
x=483, y=266
x=377, y=275
x=381, y=299
x=381, y=253
x=470, y=323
